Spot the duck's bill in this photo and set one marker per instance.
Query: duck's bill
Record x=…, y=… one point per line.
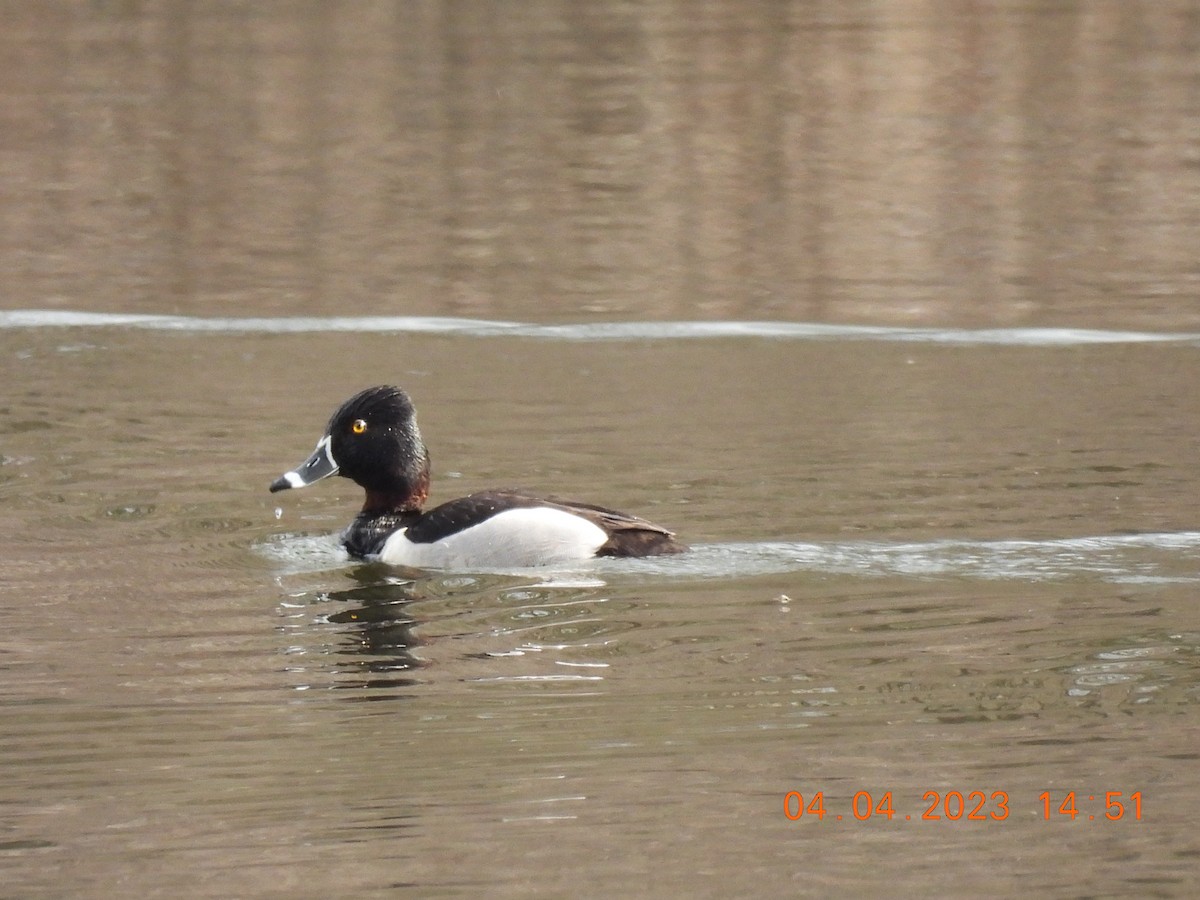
x=320, y=465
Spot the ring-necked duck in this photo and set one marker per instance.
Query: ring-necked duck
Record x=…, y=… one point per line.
x=373, y=440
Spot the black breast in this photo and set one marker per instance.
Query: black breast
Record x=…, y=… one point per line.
x=369, y=531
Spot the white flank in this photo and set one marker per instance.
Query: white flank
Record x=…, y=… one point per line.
x=515, y=538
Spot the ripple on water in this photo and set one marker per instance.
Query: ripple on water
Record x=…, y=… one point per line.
x=587, y=331
x=1123, y=559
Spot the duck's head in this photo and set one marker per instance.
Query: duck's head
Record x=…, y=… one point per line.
x=373, y=440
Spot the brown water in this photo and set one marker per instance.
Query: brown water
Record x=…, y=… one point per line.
x=926, y=559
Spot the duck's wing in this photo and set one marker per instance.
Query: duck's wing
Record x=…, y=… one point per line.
x=627, y=535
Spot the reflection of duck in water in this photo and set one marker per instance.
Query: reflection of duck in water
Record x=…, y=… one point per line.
x=373, y=440
x=382, y=637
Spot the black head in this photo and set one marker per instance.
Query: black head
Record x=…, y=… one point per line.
x=373, y=440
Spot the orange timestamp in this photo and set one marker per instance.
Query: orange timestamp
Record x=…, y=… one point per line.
x=971, y=806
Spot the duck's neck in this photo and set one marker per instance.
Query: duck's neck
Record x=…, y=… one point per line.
x=404, y=498
x=382, y=503
x=402, y=484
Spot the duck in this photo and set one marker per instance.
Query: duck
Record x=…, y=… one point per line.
x=373, y=440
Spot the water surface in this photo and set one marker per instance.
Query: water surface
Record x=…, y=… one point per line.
x=907, y=577
x=889, y=311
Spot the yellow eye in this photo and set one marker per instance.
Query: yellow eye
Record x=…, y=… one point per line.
x=359, y=426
